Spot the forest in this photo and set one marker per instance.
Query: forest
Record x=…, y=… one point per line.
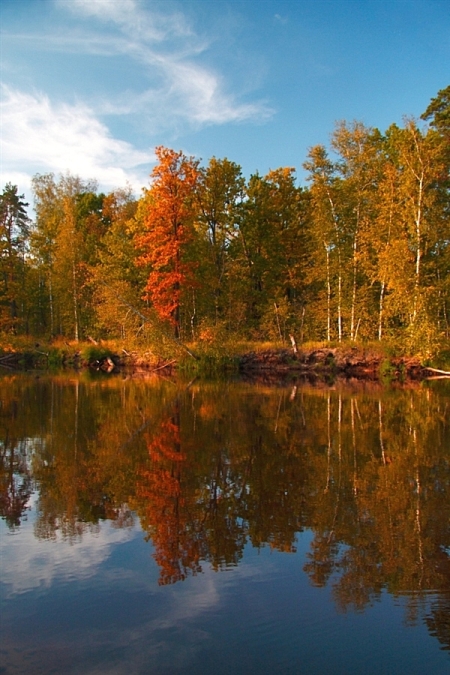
x=360, y=253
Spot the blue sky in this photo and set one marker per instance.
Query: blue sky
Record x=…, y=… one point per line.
x=92, y=86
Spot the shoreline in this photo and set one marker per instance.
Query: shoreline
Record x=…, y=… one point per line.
x=326, y=363
x=320, y=363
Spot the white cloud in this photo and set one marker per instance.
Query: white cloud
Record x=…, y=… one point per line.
x=59, y=137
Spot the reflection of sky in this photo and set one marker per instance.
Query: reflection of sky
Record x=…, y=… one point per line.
x=67, y=603
x=29, y=563
x=94, y=607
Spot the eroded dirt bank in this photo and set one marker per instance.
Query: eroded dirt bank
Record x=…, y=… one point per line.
x=350, y=362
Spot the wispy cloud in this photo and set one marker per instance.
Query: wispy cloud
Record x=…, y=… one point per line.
x=168, y=49
x=280, y=19
x=59, y=137
x=135, y=20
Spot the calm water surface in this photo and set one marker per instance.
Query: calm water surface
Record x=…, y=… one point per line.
x=157, y=526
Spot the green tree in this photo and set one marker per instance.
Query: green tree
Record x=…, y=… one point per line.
x=220, y=193
x=43, y=247
x=437, y=115
x=438, y=112
x=115, y=280
x=14, y=234
x=68, y=226
x=268, y=252
x=358, y=166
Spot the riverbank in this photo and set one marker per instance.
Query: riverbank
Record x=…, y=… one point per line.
x=367, y=363
x=318, y=362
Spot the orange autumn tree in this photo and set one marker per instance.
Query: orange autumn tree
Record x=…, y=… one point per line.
x=168, y=230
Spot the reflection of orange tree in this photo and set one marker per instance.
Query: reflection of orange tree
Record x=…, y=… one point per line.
x=162, y=506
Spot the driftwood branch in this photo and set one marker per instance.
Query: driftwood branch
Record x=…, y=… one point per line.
x=446, y=373
x=165, y=365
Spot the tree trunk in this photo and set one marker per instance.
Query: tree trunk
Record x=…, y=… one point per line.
x=328, y=293
x=75, y=302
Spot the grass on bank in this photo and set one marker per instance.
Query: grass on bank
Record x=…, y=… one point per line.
x=28, y=352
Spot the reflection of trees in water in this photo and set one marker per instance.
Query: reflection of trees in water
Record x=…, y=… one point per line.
x=393, y=528
x=211, y=468
x=15, y=481
x=15, y=478
x=438, y=620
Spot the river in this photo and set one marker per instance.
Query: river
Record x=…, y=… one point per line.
x=156, y=525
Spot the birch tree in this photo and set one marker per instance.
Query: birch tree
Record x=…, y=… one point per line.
x=358, y=166
x=417, y=158
x=326, y=232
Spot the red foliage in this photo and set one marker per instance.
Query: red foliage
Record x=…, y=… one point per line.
x=168, y=231
x=163, y=509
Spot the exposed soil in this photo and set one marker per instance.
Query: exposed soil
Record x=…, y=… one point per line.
x=331, y=362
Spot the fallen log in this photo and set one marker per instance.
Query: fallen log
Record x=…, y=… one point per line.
x=437, y=377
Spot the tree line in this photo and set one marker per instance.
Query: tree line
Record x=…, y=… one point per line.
x=359, y=253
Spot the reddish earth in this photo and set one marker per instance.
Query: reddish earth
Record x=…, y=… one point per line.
x=352, y=362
